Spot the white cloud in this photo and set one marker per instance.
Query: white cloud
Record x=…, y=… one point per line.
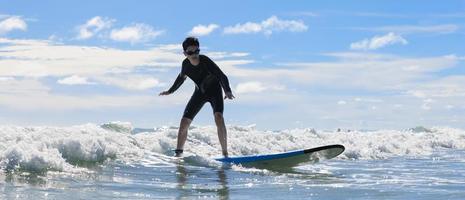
x=305, y=13
x=30, y=94
x=427, y=104
x=369, y=100
x=38, y=58
x=239, y=54
x=341, y=102
x=255, y=87
x=223, y=55
x=358, y=71
x=93, y=26
x=131, y=82
x=379, y=73
x=267, y=26
x=248, y=27
x=378, y=42
x=136, y=33
x=50, y=102
x=20, y=87
x=6, y=78
x=461, y=58
x=449, y=107
x=12, y=23
x=451, y=86
x=250, y=87
x=74, y=80
x=411, y=29
x=25, y=42
x=53, y=37
x=202, y=30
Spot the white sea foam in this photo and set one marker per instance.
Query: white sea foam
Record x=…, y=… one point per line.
x=40, y=149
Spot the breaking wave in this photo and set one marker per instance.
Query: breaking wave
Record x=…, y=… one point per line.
x=40, y=149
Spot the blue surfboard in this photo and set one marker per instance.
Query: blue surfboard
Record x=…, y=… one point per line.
x=287, y=159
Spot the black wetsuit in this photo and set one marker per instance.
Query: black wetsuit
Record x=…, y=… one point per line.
x=208, y=79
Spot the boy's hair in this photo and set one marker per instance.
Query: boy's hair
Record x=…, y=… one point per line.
x=190, y=41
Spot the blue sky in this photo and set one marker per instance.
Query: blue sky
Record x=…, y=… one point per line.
x=322, y=64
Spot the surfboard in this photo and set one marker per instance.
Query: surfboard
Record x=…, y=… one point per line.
x=287, y=159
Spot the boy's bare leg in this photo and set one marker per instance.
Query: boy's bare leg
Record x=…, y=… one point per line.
x=182, y=134
x=222, y=134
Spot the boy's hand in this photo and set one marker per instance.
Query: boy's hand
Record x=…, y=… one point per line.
x=229, y=95
x=164, y=93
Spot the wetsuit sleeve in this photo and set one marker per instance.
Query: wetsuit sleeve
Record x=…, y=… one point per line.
x=179, y=81
x=216, y=71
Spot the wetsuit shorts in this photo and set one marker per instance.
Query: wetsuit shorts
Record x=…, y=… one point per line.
x=198, y=99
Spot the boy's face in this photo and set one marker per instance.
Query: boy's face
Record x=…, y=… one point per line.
x=193, y=51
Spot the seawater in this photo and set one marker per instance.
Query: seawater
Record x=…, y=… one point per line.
x=117, y=161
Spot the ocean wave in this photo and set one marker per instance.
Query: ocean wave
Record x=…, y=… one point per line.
x=40, y=149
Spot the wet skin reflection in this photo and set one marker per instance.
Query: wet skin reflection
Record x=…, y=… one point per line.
x=183, y=175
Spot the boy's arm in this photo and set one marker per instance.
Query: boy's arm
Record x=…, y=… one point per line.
x=177, y=83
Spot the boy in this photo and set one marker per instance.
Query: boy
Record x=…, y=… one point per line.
x=209, y=80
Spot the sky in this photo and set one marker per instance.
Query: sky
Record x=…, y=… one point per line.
x=354, y=64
